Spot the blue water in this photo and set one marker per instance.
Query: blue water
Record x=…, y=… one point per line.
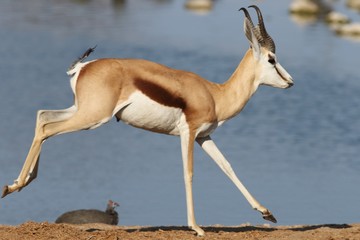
x=296, y=150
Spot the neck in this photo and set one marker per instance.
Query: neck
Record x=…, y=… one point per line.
x=237, y=90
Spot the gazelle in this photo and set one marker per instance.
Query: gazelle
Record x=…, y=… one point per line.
x=157, y=98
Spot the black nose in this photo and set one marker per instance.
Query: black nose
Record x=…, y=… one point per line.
x=290, y=84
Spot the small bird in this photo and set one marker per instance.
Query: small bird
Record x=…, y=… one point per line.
x=110, y=216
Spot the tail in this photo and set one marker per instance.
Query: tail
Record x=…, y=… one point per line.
x=85, y=55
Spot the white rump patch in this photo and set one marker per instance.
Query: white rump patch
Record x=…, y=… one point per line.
x=74, y=72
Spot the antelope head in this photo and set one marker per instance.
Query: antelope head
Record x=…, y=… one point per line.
x=268, y=69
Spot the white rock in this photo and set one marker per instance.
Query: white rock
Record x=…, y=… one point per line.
x=199, y=4
x=304, y=7
x=351, y=29
x=337, y=18
x=355, y=4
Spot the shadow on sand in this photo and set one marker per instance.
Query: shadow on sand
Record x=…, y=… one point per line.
x=217, y=229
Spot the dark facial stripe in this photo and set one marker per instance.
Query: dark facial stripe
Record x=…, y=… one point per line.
x=159, y=94
x=280, y=74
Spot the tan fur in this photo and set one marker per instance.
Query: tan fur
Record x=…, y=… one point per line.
x=109, y=82
x=159, y=99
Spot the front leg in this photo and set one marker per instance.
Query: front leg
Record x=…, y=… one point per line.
x=211, y=149
x=187, y=147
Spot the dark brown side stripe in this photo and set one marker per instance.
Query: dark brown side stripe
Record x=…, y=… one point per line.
x=159, y=94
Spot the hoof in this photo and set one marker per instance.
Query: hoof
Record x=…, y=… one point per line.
x=268, y=216
x=5, y=191
x=199, y=231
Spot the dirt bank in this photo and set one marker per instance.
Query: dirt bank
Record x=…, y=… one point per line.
x=44, y=230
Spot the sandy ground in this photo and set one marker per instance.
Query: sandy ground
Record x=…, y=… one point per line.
x=45, y=230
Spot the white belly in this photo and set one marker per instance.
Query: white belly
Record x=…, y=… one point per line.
x=143, y=112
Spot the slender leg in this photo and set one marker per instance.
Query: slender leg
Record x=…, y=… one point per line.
x=46, y=117
x=211, y=149
x=187, y=148
x=50, y=123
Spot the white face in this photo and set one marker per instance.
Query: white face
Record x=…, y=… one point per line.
x=268, y=70
x=271, y=72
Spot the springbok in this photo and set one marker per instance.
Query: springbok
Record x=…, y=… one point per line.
x=157, y=98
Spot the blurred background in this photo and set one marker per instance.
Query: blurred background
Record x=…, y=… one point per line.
x=296, y=150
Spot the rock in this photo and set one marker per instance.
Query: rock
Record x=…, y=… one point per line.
x=109, y=216
x=351, y=29
x=354, y=4
x=309, y=7
x=199, y=4
x=336, y=18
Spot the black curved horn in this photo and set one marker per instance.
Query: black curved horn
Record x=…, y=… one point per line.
x=266, y=39
x=247, y=15
x=250, y=25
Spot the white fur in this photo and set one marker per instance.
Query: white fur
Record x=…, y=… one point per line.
x=206, y=129
x=74, y=72
x=142, y=112
x=269, y=74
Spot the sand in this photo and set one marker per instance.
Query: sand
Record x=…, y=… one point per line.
x=45, y=230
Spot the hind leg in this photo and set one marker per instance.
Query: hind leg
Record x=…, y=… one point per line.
x=50, y=123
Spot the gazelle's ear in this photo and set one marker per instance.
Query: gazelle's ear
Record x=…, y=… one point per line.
x=254, y=43
x=250, y=34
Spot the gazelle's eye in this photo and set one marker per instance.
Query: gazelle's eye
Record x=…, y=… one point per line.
x=272, y=60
